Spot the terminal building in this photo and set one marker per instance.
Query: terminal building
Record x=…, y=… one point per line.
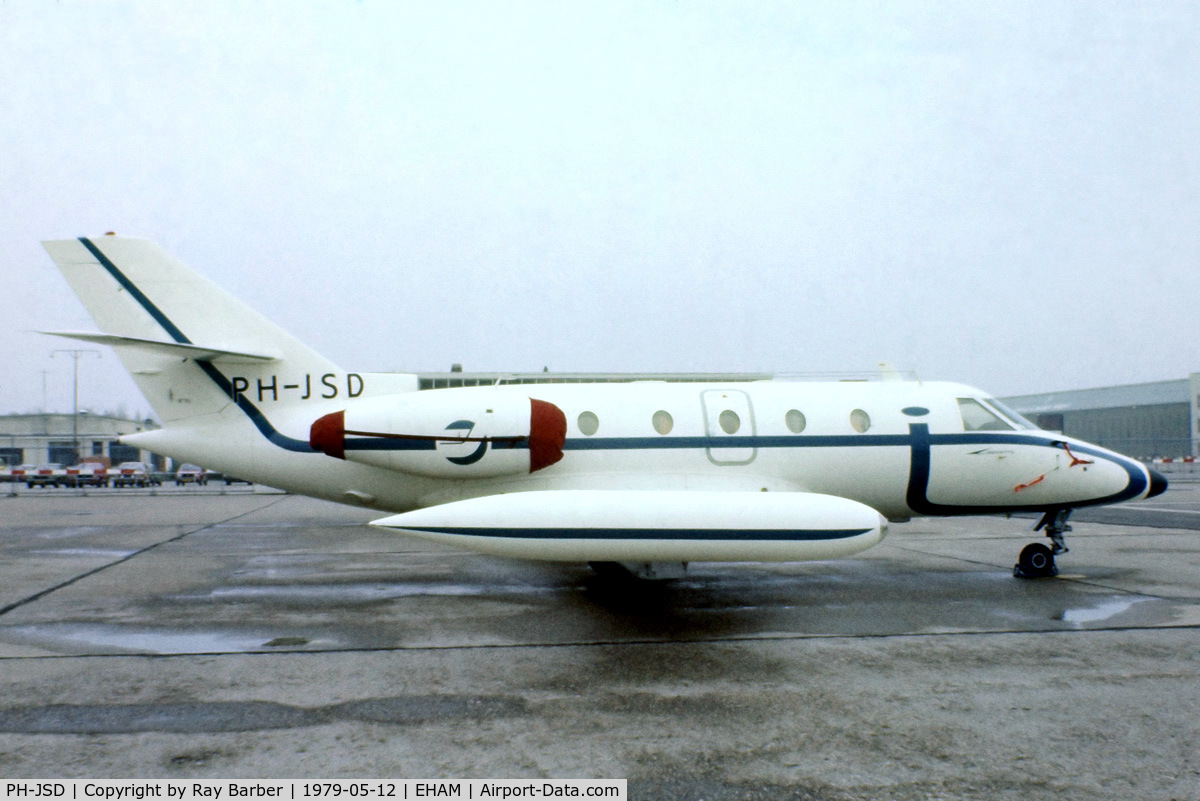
x=65, y=439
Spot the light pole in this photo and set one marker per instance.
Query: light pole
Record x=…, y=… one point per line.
x=75, y=353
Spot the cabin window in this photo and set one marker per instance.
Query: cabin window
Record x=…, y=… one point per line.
x=860, y=421
x=977, y=417
x=663, y=422
x=729, y=421
x=795, y=420
x=588, y=423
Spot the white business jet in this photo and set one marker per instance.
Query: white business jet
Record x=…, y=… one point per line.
x=650, y=475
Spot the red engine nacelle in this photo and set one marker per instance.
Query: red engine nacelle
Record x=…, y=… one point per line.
x=475, y=435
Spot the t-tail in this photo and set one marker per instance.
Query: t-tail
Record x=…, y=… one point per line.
x=206, y=362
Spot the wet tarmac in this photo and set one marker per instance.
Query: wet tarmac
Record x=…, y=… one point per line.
x=194, y=633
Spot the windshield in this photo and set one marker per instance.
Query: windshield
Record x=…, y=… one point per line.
x=977, y=417
x=1015, y=417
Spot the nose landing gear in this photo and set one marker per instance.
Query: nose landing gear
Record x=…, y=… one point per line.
x=1037, y=560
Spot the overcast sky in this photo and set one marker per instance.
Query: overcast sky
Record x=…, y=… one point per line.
x=1005, y=194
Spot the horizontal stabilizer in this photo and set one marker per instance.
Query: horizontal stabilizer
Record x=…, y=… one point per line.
x=197, y=352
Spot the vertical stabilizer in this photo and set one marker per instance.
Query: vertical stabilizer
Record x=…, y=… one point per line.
x=193, y=349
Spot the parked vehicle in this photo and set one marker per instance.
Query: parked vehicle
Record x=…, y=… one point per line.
x=87, y=474
x=133, y=474
x=18, y=472
x=191, y=474
x=46, y=475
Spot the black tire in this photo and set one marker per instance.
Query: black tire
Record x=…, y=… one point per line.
x=1037, y=560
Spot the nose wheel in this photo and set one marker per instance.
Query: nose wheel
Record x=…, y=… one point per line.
x=1037, y=559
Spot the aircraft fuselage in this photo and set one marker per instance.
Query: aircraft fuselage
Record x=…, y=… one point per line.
x=914, y=455
x=642, y=471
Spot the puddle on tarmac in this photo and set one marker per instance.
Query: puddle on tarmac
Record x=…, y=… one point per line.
x=371, y=592
x=1099, y=613
x=115, y=639
x=64, y=533
x=101, y=552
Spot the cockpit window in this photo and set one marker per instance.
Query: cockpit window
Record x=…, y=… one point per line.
x=1012, y=416
x=977, y=417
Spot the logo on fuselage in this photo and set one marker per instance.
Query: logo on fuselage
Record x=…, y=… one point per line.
x=466, y=427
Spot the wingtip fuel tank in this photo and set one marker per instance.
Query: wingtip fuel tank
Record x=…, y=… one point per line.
x=650, y=525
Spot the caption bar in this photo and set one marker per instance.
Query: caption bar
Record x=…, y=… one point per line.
x=138, y=790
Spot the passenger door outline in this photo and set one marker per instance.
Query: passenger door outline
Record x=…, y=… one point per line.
x=741, y=450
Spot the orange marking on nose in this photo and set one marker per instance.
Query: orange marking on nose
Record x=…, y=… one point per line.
x=1037, y=480
x=1075, y=459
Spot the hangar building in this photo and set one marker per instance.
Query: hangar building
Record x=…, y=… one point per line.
x=1157, y=420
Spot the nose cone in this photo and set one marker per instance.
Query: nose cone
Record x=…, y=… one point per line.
x=1158, y=483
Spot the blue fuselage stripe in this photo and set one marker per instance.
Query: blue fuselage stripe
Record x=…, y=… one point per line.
x=799, y=441
x=704, y=442
x=708, y=534
x=381, y=444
